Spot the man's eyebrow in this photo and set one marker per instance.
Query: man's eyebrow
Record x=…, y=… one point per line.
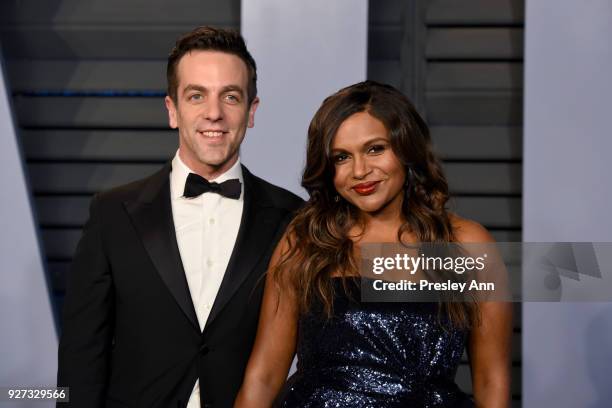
x=194, y=87
x=225, y=89
x=232, y=88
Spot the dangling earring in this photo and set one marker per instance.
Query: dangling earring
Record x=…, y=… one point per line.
x=337, y=198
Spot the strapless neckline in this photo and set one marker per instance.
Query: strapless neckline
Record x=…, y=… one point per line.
x=374, y=354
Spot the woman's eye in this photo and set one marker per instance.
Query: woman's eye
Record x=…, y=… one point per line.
x=376, y=149
x=339, y=158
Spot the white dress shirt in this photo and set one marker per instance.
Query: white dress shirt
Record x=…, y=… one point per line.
x=206, y=230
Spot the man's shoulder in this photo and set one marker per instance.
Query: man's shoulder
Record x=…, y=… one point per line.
x=133, y=190
x=273, y=194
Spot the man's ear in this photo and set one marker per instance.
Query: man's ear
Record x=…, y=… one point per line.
x=252, y=110
x=172, y=121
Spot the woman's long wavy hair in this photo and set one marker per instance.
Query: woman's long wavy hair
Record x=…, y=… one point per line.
x=318, y=243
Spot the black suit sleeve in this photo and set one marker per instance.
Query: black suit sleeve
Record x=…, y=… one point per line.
x=87, y=332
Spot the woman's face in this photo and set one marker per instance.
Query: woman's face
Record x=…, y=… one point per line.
x=368, y=174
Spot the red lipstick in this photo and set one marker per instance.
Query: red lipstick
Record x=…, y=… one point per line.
x=365, y=188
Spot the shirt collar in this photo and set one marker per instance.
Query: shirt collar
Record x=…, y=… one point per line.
x=180, y=171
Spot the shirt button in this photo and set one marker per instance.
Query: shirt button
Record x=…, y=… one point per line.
x=211, y=221
x=209, y=263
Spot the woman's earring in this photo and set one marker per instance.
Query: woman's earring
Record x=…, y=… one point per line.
x=337, y=198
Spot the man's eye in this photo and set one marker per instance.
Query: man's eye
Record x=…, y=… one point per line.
x=195, y=97
x=232, y=98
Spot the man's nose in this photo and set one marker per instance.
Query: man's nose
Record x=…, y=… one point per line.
x=213, y=110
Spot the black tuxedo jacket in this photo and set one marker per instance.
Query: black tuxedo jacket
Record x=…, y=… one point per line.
x=130, y=333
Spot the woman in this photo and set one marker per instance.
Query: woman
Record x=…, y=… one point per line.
x=372, y=177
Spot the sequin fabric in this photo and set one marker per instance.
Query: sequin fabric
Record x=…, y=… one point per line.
x=375, y=355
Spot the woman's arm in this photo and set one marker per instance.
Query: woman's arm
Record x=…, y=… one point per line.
x=275, y=343
x=489, y=345
x=489, y=351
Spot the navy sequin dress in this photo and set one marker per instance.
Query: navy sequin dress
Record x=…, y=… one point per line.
x=378, y=355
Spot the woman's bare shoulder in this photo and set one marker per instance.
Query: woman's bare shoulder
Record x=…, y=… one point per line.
x=467, y=230
x=285, y=244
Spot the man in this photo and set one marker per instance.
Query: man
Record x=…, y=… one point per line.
x=164, y=294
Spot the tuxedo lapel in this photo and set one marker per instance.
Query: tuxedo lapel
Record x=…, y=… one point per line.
x=151, y=214
x=257, y=227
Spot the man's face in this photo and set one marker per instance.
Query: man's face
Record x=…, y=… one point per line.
x=212, y=111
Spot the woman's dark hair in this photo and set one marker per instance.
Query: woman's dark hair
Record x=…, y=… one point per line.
x=318, y=242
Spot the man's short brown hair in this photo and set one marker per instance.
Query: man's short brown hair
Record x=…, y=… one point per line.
x=211, y=39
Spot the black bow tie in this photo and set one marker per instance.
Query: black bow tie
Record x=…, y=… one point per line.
x=197, y=185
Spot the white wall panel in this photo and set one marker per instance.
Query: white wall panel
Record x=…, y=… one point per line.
x=567, y=192
x=305, y=51
x=28, y=343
